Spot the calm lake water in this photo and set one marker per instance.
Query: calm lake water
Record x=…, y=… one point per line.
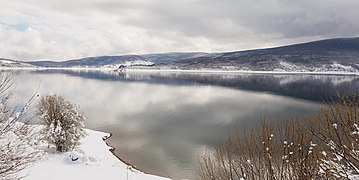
x=163, y=122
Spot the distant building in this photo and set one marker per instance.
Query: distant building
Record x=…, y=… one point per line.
x=121, y=68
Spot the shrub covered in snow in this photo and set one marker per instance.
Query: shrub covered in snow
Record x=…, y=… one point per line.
x=17, y=152
x=63, y=123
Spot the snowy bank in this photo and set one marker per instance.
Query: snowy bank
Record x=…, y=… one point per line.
x=91, y=160
x=219, y=71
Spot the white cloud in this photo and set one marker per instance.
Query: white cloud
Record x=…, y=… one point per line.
x=71, y=29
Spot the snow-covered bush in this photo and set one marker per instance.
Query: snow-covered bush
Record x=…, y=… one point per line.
x=17, y=139
x=63, y=123
x=17, y=152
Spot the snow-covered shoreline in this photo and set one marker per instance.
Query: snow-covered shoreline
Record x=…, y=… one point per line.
x=241, y=71
x=91, y=160
x=198, y=71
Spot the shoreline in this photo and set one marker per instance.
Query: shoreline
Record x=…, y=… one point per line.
x=90, y=160
x=112, y=150
x=195, y=71
x=200, y=71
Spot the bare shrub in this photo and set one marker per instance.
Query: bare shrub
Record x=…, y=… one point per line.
x=267, y=152
x=16, y=137
x=337, y=127
x=63, y=123
x=17, y=152
x=325, y=146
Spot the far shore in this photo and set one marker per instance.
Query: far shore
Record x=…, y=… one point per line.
x=194, y=71
x=241, y=71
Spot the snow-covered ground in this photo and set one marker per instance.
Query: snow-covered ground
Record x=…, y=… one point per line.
x=146, y=66
x=241, y=71
x=92, y=160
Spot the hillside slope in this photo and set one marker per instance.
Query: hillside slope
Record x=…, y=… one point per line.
x=326, y=55
x=341, y=54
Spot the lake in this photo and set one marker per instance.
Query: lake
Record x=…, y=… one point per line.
x=162, y=122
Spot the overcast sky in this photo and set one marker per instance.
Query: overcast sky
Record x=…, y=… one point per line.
x=67, y=29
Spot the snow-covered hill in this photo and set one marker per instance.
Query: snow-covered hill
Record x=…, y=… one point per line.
x=326, y=55
x=13, y=63
x=334, y=55
x=97, y=62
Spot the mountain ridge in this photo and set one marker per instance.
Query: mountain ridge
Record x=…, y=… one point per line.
x=338, y=54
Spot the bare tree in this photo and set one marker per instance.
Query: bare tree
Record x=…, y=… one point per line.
x=63, y=123
x=16, y=137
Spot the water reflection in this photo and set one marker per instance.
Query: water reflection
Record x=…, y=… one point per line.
x=303, y=86
x=163, y=122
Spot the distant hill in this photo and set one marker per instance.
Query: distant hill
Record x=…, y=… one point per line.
x=341, y=54
x=173, y=56
x=13, y=63
x=116, y=61
x=326, y=55
x=97, y=62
